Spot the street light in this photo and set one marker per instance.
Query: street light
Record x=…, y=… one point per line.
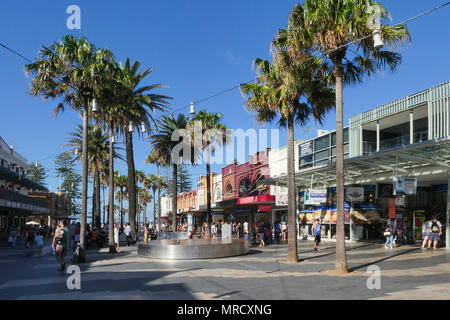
x=94, y=106
x=374, y=23
x=143, y=127
x=192, y=107
x=130, y=127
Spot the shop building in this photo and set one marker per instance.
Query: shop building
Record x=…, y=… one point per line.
x=397, y=162
x=16, y=207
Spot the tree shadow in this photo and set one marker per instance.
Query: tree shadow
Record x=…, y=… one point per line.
x=381, y=260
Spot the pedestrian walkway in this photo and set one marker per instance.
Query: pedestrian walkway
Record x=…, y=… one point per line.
x=262, y=274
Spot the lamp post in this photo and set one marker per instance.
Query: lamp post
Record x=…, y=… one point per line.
x=374, y=23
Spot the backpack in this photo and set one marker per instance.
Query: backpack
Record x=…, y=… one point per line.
x=434, y=227
x=60, y=237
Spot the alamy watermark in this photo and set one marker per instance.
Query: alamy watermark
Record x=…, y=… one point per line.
x=374, y=280
x=197, y=146
x=74, y=20
x=74, y=279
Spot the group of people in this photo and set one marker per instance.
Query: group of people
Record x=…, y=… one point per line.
x=431, y=231
x=30, y=235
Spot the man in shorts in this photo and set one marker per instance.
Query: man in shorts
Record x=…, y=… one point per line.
x=435, y=228
x=317, y=233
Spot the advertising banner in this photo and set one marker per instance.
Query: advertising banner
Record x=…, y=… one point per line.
x=281, y=200
x=392, y=208
x=403, y=185
x=315, y=196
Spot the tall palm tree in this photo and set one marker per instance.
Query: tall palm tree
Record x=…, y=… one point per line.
x=341, y=33
x=278, y=92
x=213, y=132
x=151, y=183
x=163, y=147
x=71, y=70
x=140, y=106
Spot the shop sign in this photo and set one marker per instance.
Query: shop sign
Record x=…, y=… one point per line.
x=315, y=196
x=281, y=200
x=403, y=185
x=355, y=194
x=400, y=202
x=242, y=211
x=264, y=208
x=392, y=208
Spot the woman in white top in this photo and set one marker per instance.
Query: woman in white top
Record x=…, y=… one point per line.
x=116, y=237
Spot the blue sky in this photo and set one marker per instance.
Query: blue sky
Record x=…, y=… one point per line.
x=197, y=48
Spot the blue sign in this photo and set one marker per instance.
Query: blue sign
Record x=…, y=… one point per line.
x=242, y=211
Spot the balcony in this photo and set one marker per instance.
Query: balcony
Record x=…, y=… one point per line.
x=15, y=178
x=419, y=136
x=14, y=200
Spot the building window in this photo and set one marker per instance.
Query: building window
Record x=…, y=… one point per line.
x=322, y=142
x=322, y=155
x=228, y=190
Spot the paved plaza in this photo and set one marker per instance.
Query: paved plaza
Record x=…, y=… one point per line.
x=407, y=272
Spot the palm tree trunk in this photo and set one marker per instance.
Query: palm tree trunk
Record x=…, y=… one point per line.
x=154, y=207
x=103, y=205
x=112, y=247
x=174, y=197
x=292, y=225
x=94, y=194
x=84, y=190
x=208, y=191
x=97, y=200
x=132, y=201
x=159, y=198
x=121, y=208
x=341, y=258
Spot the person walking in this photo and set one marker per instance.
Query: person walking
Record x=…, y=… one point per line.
x=277, y=231
x=127, y=232
x=61, y=244
x=146, y=234
x=317, y=233
x=283, y=231
x=435, y=228
x=116, y=237
x=389, y=234
x=425, y=233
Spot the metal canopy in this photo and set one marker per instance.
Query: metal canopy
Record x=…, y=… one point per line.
x=426, y=158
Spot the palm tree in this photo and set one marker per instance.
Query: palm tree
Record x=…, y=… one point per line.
x=71, y=70
x=213, y=132
x=152, y=158
x=340, y=32
x=144, y=199
x=121, y=182
x=98, y=156
x=277, y=93
x=163, y=147
x=140, y=106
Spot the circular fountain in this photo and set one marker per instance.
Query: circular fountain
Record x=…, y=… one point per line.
x=186, y=249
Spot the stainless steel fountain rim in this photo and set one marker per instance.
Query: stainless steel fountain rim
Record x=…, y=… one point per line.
x=193, y=249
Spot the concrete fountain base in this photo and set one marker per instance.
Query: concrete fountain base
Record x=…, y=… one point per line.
x=193, y=249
